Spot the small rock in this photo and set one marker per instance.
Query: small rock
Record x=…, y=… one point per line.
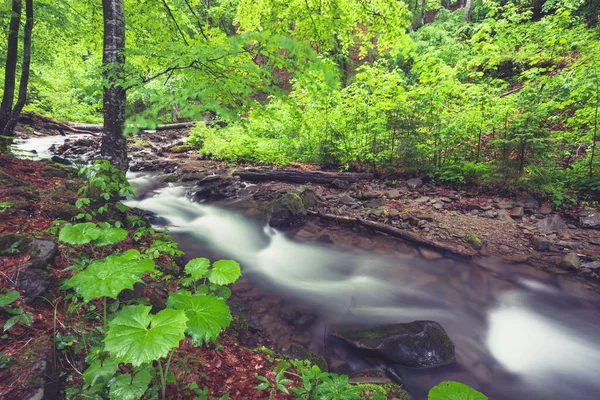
x=345, y=199
x=438, y=206
x=528, y=202
x=33, y=283
x=491, y=214
x=426, y=217
x=60, y=160
x=414, y=183
x=445, y=200
x=209, y=179
x=393, y=194
x=551, y=224
x=545, y=210
x=517, y=212
x=325, y=238
x=471, y=207
x=286, y=211
x=421, y=200
x=430, y=254
x=566, y=245
x=506, y=205
x=375, y=203
x=540, y=243
x=591, y=265
x=341, y=184
x=571, y=261
x=42, y=252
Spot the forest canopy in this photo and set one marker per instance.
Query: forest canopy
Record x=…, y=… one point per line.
x=502, y=91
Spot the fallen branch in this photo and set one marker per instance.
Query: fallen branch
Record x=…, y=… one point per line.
x=399, y=233
x=284, y=175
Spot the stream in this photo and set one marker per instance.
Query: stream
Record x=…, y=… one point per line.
x=520, y=333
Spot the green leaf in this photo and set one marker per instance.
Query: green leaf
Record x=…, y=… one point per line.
x=449, y=390
x=110, y=236
x=124, y=388
x=8, y=298
x=79, y=233
x=108, y=277
x=207, y=314
x=224, y=272
x=12, y=321
x=99, y=373
x=197, y=268
x=135, y=336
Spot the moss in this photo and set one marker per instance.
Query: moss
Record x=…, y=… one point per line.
x=170, y=179
x=20, y=207
x=55, y=171
x=181, y=148
x=13, y=242
x=390, y=390
x=63, y=211
x=474, y=241
x=302, y=353
x=238, y=326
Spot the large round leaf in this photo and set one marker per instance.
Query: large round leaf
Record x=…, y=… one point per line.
x=110, y=276
x=197, y=268
x=224, y=272
x=79, y=233
x=135, y=336
x=449, y=390
x=100, y=372
x=207, y=314
x=125, y=388
x=110, y=236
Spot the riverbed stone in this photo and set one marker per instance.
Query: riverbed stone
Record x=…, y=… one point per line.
x=422, y=200
x=591, y=265
x=528, y=202
x=551, y=224
x=341, y=183
x=376, y=202
x=545, y=210
x=393, y=194
x=507, y=205
x=590, y=221
x=310, y=199
x=414, y=183
x=418, y=344
x=346, y=199
x=42, y=252
x=540, y=243
x=286, y=212
x=570, y=261
x=504, y=215
x=517, y=212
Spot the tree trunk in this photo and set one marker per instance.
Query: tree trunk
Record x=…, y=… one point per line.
x=423, y=10
x=468, y=10
x=114, y=145
x=22, y=99
x=11, y=64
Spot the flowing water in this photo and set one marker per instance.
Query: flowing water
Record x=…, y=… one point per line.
x=520, y=333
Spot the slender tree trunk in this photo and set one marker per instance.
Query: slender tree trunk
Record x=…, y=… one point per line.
x=114, y=144
x=22, y=99
x=11, y=64
x=423, y=10
x=468, y=10
x=595, y=137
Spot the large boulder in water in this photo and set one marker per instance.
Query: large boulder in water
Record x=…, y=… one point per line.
x=286, y=212
x=418, y=344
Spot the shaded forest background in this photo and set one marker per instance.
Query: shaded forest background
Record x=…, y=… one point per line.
x=498, y=91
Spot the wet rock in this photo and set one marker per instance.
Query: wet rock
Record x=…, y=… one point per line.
x=375, y=203
x=192, y=177
x=430, y=254
x=310, y=199
x=42, y=252
x=590, y=221
x=170, y=179
x=418, y=344
x=345, y=199
x=540, y=243
x=33, y=283
x=414, y=183
x=341, y=184
x=570, y=261
x=60, y=160
x=286, y=211
x=591, y=265
x=551, y=224
x=325, y=238
x=209, y=179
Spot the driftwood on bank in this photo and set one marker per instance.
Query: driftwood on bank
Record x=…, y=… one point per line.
x=395, y=232
x=99, y=128
x=327, y=178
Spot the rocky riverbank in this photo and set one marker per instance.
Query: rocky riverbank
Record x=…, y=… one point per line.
x=518, y=228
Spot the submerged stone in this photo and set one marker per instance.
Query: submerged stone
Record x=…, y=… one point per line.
x=418, y=344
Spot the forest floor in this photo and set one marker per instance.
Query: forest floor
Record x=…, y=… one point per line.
x=42, y=360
